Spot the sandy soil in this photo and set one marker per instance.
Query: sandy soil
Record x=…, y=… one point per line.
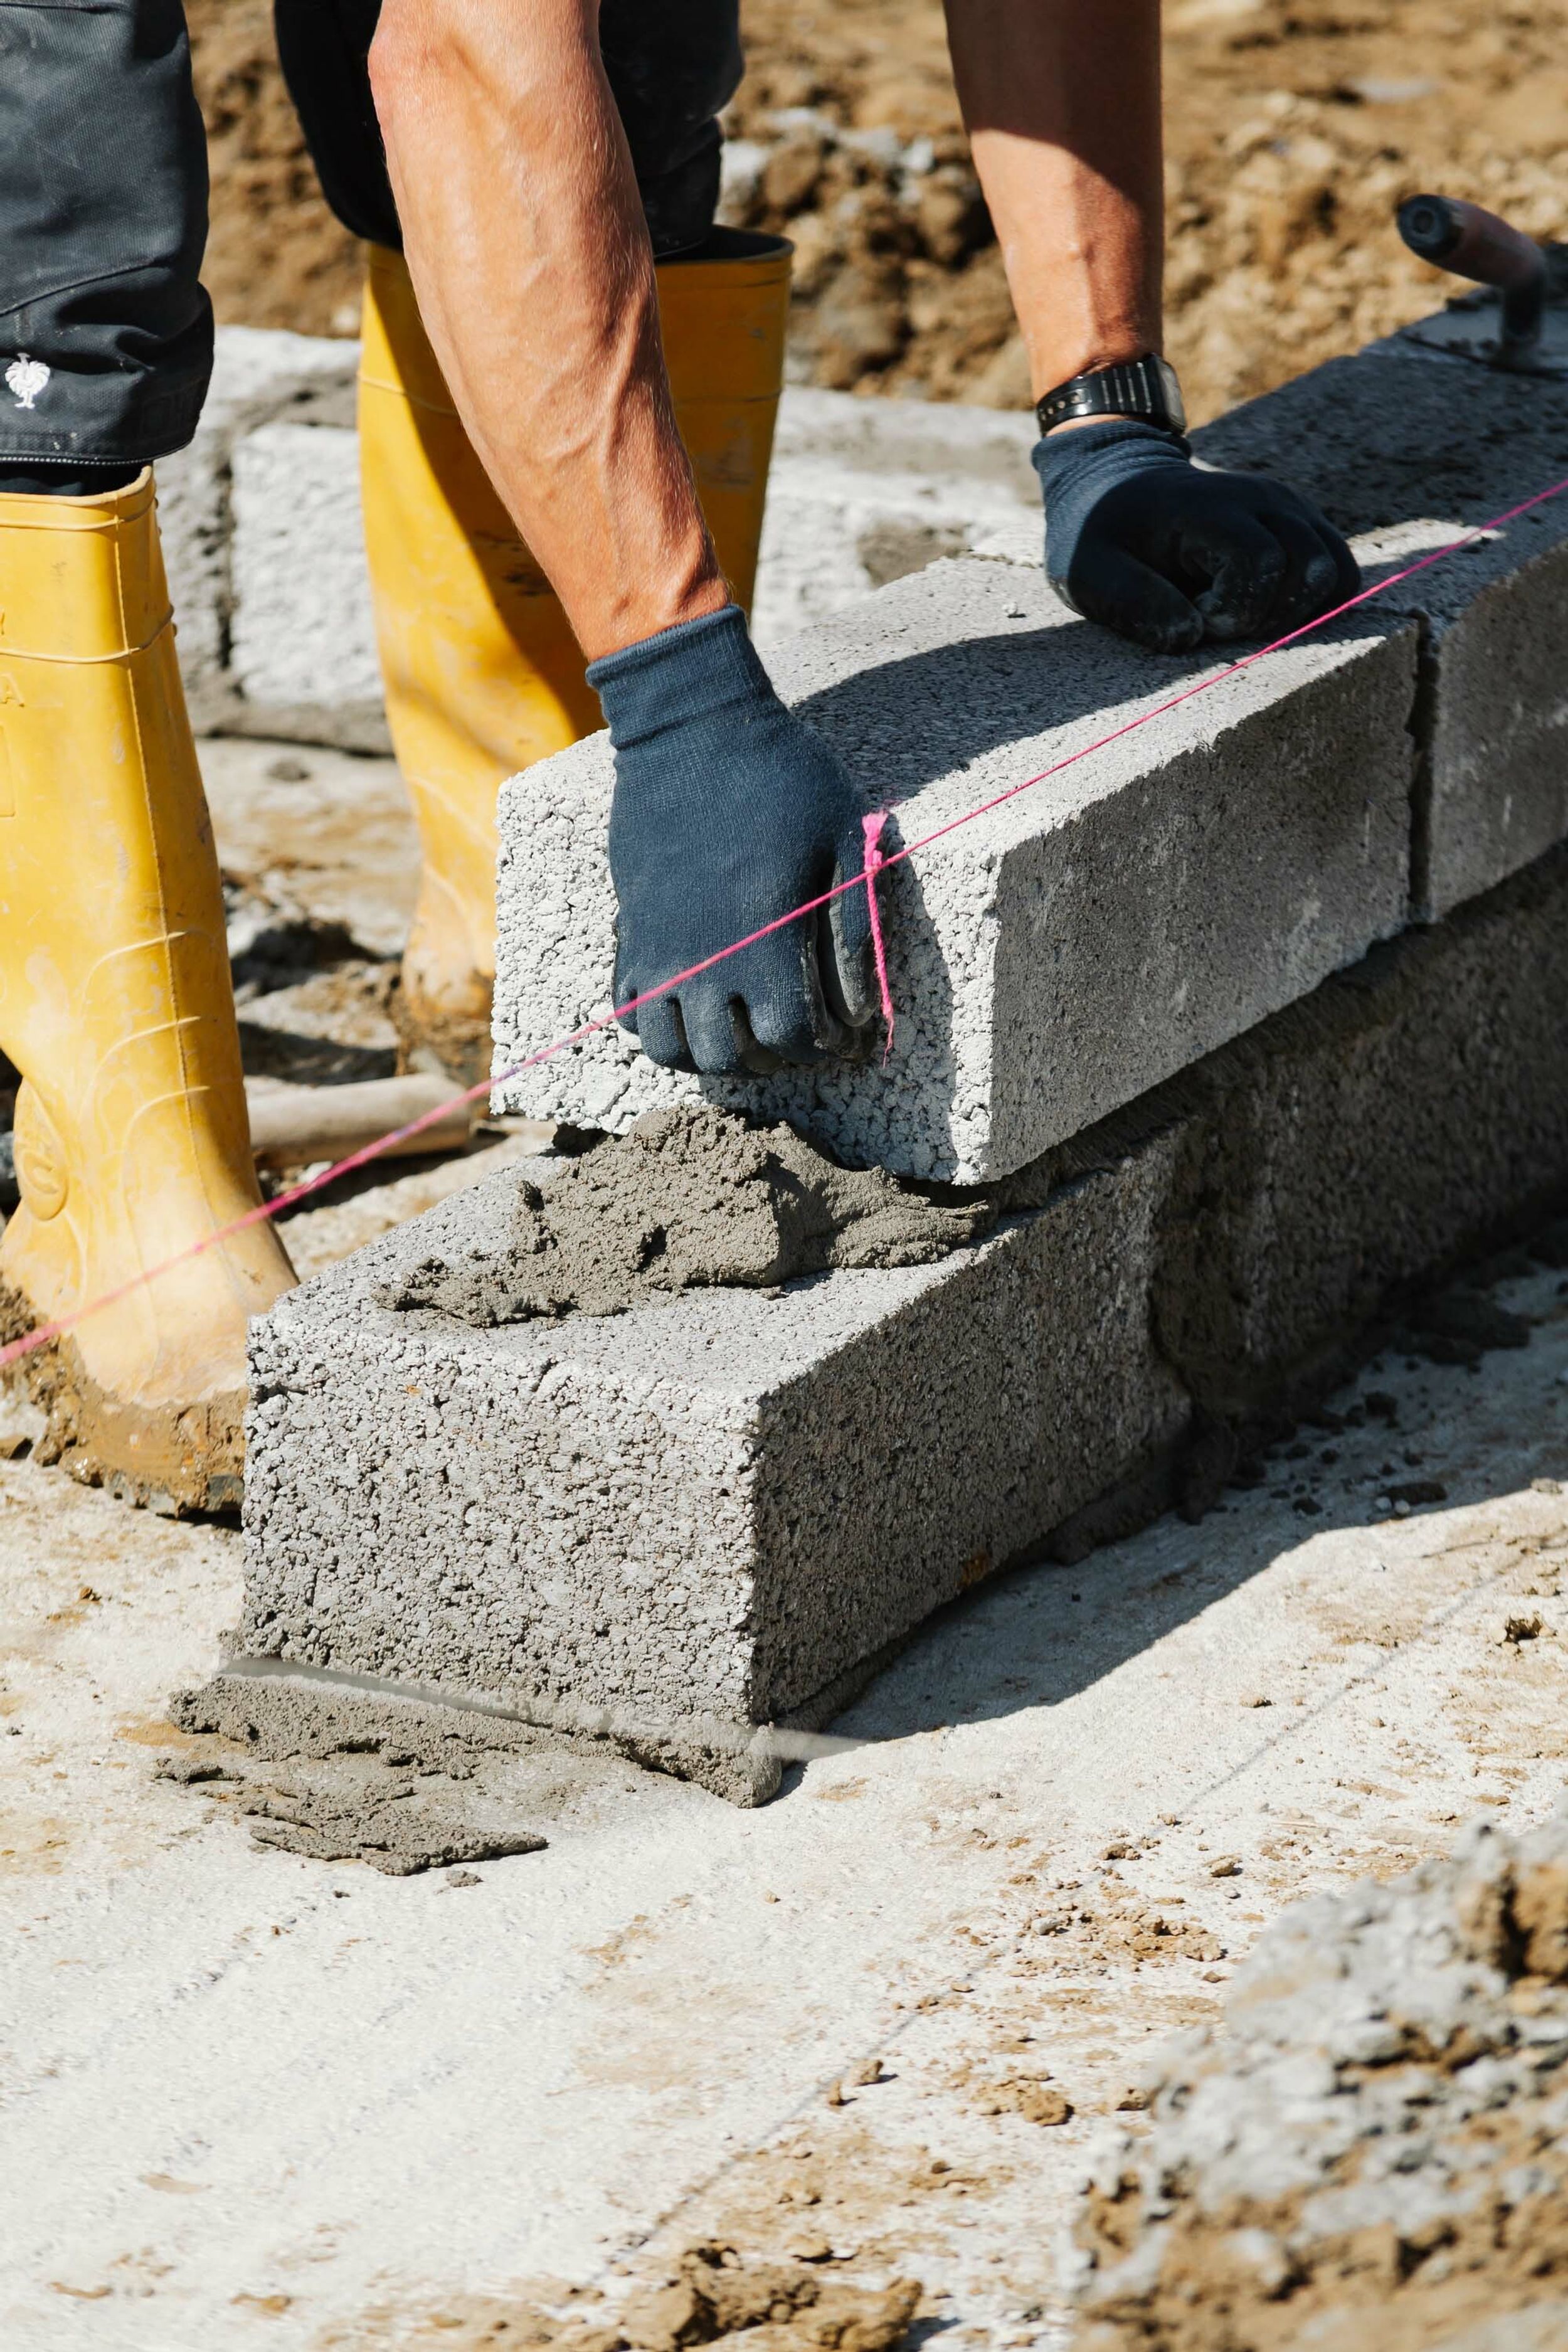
x=1294, y=126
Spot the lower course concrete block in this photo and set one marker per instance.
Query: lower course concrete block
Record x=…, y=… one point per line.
x=303, y=642
x=720, y=1511
x=1409, y=450
x=710, y=1509
x=1065, y=952
x=260, y=375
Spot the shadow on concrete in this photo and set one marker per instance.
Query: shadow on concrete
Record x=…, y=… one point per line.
x=1036, y=1635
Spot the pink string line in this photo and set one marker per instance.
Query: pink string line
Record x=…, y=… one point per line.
x=871, y=833
x=876, y=864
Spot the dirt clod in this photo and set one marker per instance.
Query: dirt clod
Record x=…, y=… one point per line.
x=717, y=2296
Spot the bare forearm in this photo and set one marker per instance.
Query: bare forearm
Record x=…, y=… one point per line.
x=1062, y=102
x=528, y=250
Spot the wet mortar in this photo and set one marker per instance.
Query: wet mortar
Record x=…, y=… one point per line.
x=688, y=1198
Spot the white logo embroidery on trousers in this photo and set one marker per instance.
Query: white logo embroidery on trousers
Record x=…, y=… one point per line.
x=27, y=379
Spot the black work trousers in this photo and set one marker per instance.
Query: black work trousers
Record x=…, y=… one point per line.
x=106, y=334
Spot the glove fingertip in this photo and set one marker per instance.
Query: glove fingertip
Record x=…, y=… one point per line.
x=846, y=964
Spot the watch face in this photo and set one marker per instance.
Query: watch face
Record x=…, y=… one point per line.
x=1172, y=388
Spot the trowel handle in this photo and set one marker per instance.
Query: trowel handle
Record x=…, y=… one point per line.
x=1476, y=245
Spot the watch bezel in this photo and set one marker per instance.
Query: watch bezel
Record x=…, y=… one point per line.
x=1145, y=389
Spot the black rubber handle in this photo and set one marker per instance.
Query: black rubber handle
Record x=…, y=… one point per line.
x=1472, y=243
x=1476, y=245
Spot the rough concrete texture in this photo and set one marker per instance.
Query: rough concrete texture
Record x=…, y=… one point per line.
x=712, y=1508
x=1063, y=954
x=1413, y=449
x=303, y=642
x=251, y=2096
x=690, y=1198
x=1375, y=2147
x=862, y=492
x=718, y=1505
x=258, y=374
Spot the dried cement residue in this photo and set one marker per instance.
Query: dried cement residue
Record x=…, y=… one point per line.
x=1374, y=2150
x=343, y=1777
x=688, y=1198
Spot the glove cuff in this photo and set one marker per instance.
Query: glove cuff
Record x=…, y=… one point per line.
x=680, y=675
x=1059, y=459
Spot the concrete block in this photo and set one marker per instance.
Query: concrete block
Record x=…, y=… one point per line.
x=258, y=374
x=863, y=492
x=303, y=647
x=722, y=1510
x=1059, y=957
x=1412, y=1110
x=1408, y=448
x=707, y=1510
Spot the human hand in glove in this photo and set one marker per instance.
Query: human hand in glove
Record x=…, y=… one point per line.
x=1143, y=540
x=727, y=813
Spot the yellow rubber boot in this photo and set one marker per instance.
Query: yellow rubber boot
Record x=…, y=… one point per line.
x=116, y=1005
x=482, y=673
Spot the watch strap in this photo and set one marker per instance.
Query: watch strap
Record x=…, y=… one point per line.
x=1145, y=388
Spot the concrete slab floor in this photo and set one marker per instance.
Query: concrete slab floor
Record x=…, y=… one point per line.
x=246, y=2098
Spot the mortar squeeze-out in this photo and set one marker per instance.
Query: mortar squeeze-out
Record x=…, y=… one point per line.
x=690, y=1198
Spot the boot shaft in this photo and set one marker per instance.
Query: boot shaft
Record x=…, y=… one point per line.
x=115, y=997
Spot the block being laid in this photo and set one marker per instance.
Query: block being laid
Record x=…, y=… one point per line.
x=1410, y=449
x=1064, y=953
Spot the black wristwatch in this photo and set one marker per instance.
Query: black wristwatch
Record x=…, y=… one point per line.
x=1145, y=388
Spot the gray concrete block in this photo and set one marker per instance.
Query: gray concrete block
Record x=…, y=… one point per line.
x=303, y=648
x=720, y=1510
x=1412, y=1109
x=708, y=1509
x=258, y=374
x=1408, y=449
x=1061, y=955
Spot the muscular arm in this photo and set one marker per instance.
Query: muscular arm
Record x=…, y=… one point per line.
x=1062, y=101
x=526, y=241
